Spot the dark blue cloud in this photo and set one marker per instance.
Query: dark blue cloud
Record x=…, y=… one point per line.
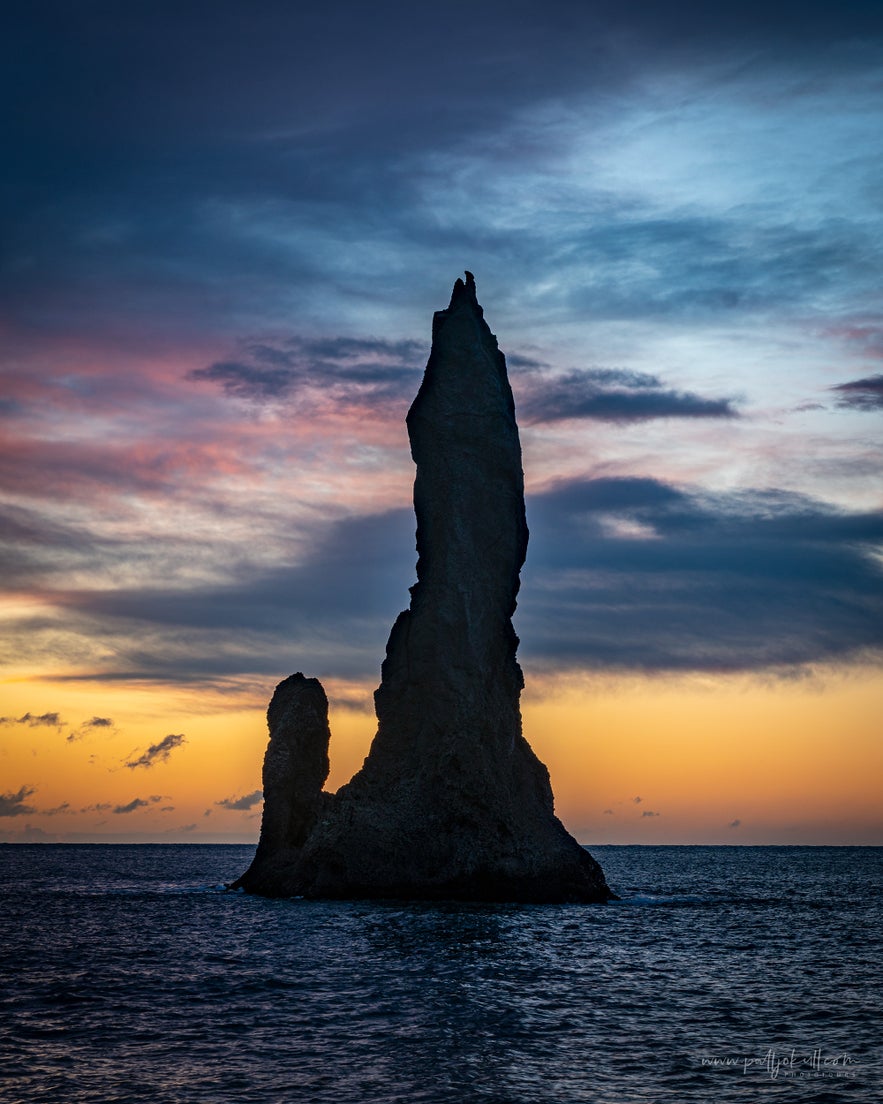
x=861, y=394
x=609, y=395
x=640, y=575
x=622, y=574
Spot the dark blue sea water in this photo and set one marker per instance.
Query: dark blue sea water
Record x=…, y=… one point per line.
x=726, y=974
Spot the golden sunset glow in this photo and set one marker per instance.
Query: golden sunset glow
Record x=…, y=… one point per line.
x=712, y=759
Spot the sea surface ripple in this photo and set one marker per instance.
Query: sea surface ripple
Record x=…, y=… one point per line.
x=724, y=975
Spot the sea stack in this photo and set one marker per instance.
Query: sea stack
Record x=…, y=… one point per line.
x=451, y=802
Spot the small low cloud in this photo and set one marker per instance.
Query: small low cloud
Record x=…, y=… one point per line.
x=158, y=753
x=636, y=800
x=138, y=803
x=135, y=803
x=100, y=807
x=15, y=804
x=608, y=812
x=648, y=813
x=735, y=823
x=87, y=727
x=35, y=720
x=64, y=807
x=860, y=394
x=241, y=803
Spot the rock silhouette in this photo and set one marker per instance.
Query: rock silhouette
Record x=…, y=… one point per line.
x=451, y=801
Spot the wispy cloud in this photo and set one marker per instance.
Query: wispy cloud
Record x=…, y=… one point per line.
x=158, y=753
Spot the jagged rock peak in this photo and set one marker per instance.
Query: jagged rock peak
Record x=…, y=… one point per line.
x=463, y=295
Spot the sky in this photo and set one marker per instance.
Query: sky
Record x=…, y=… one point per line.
x=224, y=229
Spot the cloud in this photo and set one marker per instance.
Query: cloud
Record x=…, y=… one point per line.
x=14, y=804
x=735, y=823
x=861, y=394
x=323, y=183
x=622, y=574
x=608, y=812
x=47, y=720
x=136, y=803
x=647, y=813
x=614, y=395
x=86, y=727
x=283, y=153
x=64, y=807
x=158, y=753
x=642, y=575
x=338, y=603
x=636, y=800
x=241, y=803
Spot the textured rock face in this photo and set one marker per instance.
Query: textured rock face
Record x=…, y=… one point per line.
x=451, y=802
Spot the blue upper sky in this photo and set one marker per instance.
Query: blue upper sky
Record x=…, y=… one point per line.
x=224, y=230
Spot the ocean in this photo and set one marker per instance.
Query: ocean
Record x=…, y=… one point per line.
x=725, y=974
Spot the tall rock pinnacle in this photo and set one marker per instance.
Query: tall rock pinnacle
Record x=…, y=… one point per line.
x=451, y=802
